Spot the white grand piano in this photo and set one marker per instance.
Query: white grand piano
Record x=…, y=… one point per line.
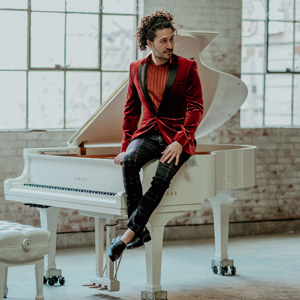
x=82, y=176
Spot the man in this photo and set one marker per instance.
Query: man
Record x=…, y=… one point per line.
x=168, y=90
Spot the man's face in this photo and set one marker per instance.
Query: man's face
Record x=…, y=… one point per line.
x=163, y=45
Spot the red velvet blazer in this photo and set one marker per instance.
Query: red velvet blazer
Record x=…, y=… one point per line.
x=181, y=108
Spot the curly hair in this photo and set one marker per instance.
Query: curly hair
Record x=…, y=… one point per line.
x=157, y=21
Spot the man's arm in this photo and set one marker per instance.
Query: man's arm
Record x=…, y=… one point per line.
x=194, y=109
x=173, y=151
x=132, y=113
x=193, y=116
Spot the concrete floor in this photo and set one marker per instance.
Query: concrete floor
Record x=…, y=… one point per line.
x=268, y=268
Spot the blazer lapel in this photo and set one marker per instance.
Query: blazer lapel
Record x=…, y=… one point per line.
x=173, y=69
x=142, y=78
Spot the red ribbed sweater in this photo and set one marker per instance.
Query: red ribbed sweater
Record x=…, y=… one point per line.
x=156, y=81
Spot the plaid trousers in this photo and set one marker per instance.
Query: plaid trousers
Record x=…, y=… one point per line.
x=140, y=151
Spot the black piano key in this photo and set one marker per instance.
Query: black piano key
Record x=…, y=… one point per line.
x=69, y=189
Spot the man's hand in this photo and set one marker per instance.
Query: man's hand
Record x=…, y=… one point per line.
x=172, y=151
x=118, y=159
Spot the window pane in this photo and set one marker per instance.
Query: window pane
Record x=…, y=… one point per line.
x=280, y=46
x=83, y=6
x=82, y=41
x=53, y=5
x=110, y=82
x=12, y=100
x=119, y=6
x=254, y=10
x=253, y=46
x=297, y=57
x=47, y=40
x=13, y=37
x=280, y=32
x=281, y=9
x=280, y=57
x=118, y=44
x=296, y=100
x=252, y=109
x=297, y=47
x=278, y=100
x=83, y=97
x=13, y=4
x=46, y=100
x=297, y=10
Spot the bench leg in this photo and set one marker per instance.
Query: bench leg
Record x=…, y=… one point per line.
x=39, y=278
x=3, y=281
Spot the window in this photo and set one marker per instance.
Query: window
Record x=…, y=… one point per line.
x=271, y=63
x=60, y=59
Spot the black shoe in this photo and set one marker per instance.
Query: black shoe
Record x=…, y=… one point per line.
x=139, y=240
x=116, y=250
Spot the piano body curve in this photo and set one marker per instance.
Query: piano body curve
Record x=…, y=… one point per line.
x=82, y=175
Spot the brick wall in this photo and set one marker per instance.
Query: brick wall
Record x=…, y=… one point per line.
x=11, y=166
x=223, y=17
x=277, y=194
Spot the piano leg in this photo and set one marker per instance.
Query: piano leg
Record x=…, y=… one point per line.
x=156, y=227
x=106, y=280
x=221, y=207
x=99, y=245
x=49, y=218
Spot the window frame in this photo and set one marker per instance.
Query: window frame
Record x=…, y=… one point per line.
x=66, y=68
x=266, y=69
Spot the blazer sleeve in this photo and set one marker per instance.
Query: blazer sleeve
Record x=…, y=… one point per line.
x=132, y=112
x=194, y=108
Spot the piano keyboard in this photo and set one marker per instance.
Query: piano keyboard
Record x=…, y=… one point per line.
x=69, y=189
x=40, y=195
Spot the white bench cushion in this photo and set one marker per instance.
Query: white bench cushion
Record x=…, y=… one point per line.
x=22, y=242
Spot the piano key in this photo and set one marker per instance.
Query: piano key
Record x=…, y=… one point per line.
x=69, y=189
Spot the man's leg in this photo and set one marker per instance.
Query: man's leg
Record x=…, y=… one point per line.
x=150, y=200
x=140, y=208
x=139, y=152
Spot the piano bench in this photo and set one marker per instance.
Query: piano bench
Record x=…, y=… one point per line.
x=22, y=245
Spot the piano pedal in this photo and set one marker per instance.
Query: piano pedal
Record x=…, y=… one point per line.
x=87, y=285
x=92, y=286
x=101, y=288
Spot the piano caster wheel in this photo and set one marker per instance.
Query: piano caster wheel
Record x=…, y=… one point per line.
x=233, y=270
x=45, y=280
x=51, y=281
x=62, y=280
x=222, y=271
x=55, y=279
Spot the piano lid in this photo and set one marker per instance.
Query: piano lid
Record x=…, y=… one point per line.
x=223, y=95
